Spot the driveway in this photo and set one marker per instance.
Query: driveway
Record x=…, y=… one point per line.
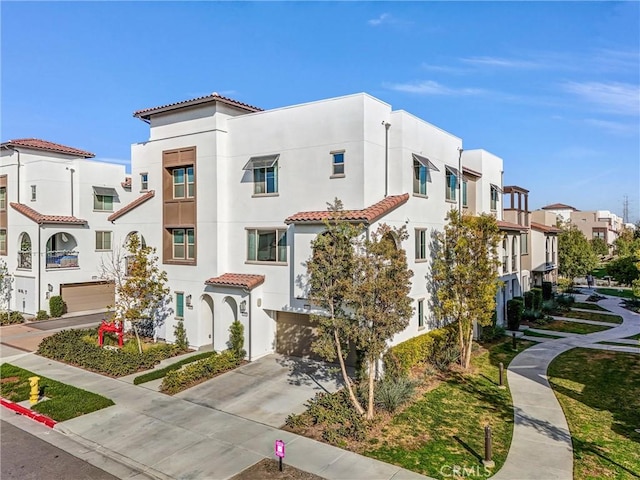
x=267, y=390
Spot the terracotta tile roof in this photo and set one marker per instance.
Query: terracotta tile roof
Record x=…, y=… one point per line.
x=244, y=280
x=147, y=112
x=368, y=215
x=38, y=144
x=560, y=206
x=31, y=214
x=545, y=228
x=503, y=225
x=126, y=183
x=130, y=206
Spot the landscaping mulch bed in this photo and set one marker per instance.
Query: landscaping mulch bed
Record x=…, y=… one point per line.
x=269, y=469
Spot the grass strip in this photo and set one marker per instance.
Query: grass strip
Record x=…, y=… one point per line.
x=600, y=395
x=616, y=292
x=64, y=401
x=634, y=337
x=595, y=316
x=616, y=344
x=161, y=372
x=589, y=306
x=571, y=327
x=529, y=333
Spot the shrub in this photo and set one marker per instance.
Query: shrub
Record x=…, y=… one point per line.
x=196, y=372
x=57, y=307
x=492, y=332
x=180, y=334
x=515, y=308
x=528, y=300
x=547, y=290
x=10, y=318
x=565, y=302
x=236, y=339
x=401, y=358
x=537, y=298
x=531, y=315
x=594, y=297
x=564, y=284
x=161, y=372
x=549, y=307
x=42, y=315
x=392, y=393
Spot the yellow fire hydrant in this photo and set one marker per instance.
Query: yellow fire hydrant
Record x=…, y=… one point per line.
x=35, y=390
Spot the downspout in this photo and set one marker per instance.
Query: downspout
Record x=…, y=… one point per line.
x=386, y=158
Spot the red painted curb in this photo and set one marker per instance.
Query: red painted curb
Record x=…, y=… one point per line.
x=38, y=417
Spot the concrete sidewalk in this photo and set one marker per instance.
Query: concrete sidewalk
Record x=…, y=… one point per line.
x=541, y=447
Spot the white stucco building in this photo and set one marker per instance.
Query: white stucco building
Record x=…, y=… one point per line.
x=54, y=232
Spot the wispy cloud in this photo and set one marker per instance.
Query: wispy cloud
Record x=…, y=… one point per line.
x=504, y=62
x=430, y=87
x=616, y=128
x=382, y=18
x=617, y=60
x=443, y=68
x=613, y=97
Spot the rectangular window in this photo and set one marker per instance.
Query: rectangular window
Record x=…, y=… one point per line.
x=421, y=244
x=338, y=163
x=184, y=244
x=420, y=178
x=265, y=180
x=3, y=241
x=524, y=243
x=183, y=182
x=267, y=245
x=144, y=181
x=464, y=193
x=3, y=198
x=103, y=240
x=103, y=203
x=452, y=184
x=420, y=313
x=179, y=305
x=33, y=193
x=494, y=197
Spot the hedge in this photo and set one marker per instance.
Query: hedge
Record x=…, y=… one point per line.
x=197, y=372
x=161, y=372
x=70, y=347
x=10, y=318
x=401, y=358
x=515, y=309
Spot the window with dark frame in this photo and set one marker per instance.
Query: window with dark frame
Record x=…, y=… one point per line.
x=420, y=313
x=421, y=244
x=179, y=305
x=267, y=245
x=452, y=184
x=144, y=181
x=183, y=243
x=338, y=163
x=183, y=182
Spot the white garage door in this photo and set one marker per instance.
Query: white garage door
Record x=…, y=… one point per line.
x=81, y=297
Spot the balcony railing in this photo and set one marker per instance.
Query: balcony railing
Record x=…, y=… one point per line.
x=62, y=259
x=24, y=260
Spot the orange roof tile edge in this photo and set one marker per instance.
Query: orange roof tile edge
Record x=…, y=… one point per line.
x=39, y=218
x=367, y=215
x=545, y=228
x=214, y=96
x=38, y=144
x=245, y=280
x=130, y=206
x=503, y=225
x=559, y=206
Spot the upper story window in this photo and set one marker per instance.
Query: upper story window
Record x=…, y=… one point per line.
x=184, y=243
x=452, y=184
x=179, y=305
x=337, y=164
x=421, y=244
x=103, y=241
x=505, y=255
x=524, y=243
x=183, y=182
x=422, y=167
x=465, y=202
x=420, y=313
x=265, y=174
x=495, y=192
x=3, y=241
x=514, y=254
x=3, y=198
x=144, y=182
x=33, y=193
x=103, y=199
x=267, y=245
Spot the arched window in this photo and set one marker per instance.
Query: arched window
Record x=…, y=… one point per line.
x=505, y=255
x=24, y=252
x=514, y=254
x=61, y=251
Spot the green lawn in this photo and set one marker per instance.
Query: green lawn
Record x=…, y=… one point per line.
x=595, y=316
x=537, y=334
x=589, y=306
x=634, y=337
x=446, y=426
x=616, y=292
x=571, y=327
x=65, y=402
x=600, y=394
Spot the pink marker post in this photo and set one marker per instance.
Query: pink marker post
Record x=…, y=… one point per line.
x=279, y=448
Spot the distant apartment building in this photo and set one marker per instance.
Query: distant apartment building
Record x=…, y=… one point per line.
x=54, y=232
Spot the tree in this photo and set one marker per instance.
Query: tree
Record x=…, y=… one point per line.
x=6, y=282
x=379, y=296
x=330, y=271
x=141, y=291
x=626, y=244
x=575, y=256
x=236, y=339
x=624, y=269
x=465, y=271
x=599, y=246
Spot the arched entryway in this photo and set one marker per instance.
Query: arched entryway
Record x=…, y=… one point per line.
x=206, y=316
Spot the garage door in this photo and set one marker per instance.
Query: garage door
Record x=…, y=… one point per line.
x=294, y=335
x=81, y=297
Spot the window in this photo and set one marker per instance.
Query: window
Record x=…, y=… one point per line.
x=505, y=256
x=267, y=245
x=464, y=193
x=3, y=198
x=103, y=240
x=103, y=203
x=494, y=197
x=421, y=244
x=452, y=184
x=33, y=193
x=179, y=305
x=183, y=182
x=265, y=180
x=184, y=243
x=420, y=313
x=514, y=255
x=599, y=233
x=338, y=164
x=144, y=181
x=422, y=168
x=524, y=243
x=3, y=241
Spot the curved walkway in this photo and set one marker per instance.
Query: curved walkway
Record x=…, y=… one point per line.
x=541, y=447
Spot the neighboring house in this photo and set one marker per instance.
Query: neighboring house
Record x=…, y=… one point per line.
x=544, y=251
x=54, y=232
x=561, y=210
x=598, y=224
x=232, y=197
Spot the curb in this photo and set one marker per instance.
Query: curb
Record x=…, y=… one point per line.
x=38, y=417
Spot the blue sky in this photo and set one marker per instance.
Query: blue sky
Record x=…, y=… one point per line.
x=551, y=87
